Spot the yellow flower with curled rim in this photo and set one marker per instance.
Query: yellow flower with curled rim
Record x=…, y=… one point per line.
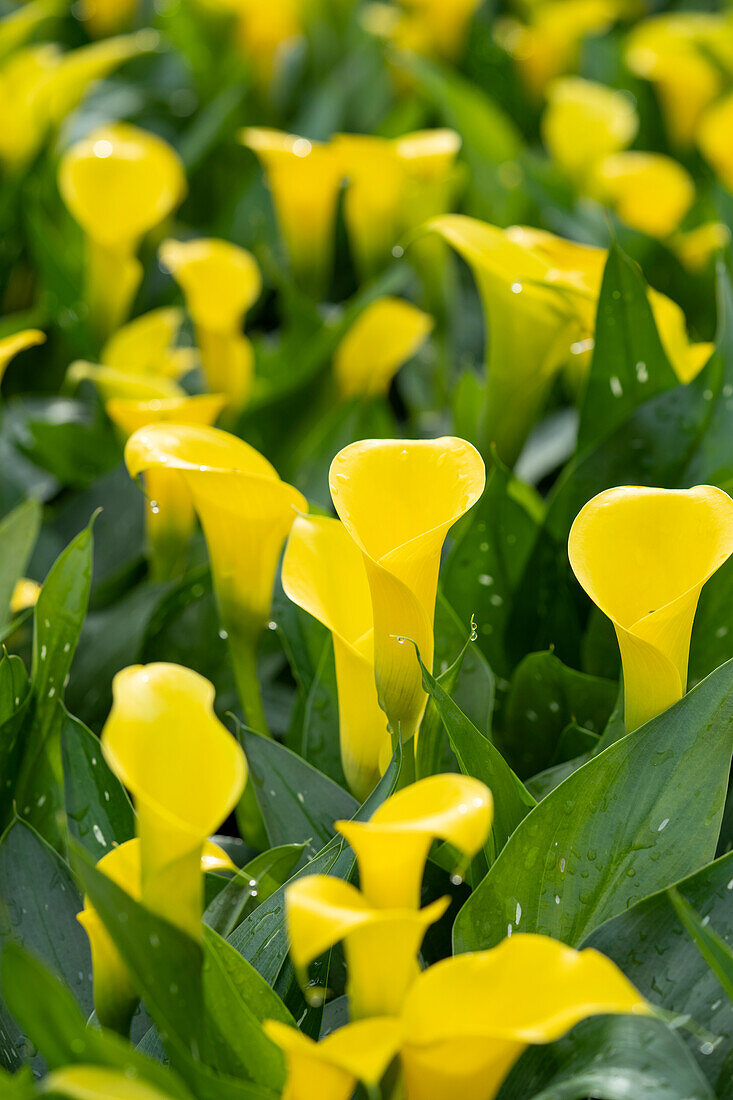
x=467, y=1019
x=170, y=517
x=332, y=1068
x=147, y=345
x=115, y=998
x=583, y=122
x=304, y=178
x=398, y=499
x=246, y=512
x=118, y=183
x=648, y=191
x=392, y=847
x=323, y=572
x=185, y=772
x=220, y=282
x=10, y=346
x=383, y=337
x=381, y=945
x=643, y=555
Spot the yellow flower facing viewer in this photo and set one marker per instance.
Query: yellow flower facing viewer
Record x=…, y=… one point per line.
x=392, y=848
x=381, y=945
x=10, y=346
x=332, y=1068
x=648, y=191
x=584, y=122
x=115, y=998
x=118, y=183
x=304, y=178
x=643, y=555
x=382, y=338
x=467, y=1019
x=246, y=512
x=147, y=345
x=185, y=772
x=398, y=499
x=170, y=517
x=323, y=572
x=220, y=282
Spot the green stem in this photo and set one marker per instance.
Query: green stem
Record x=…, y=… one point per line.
x=407, y=771
x=243, y=652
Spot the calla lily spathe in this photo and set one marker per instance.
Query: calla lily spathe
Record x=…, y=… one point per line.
x=688, y=56
x=220, y=282
x=393, y=846
x=467, y=1019
x=398, y=499
x=246, y=512
x=696, y=248
x=185, y=772
x=10, y=346
x=332, y=1068
x=713, y=138
x=304, y=178
x=648, y=191
x=643, y=555
x=381, y=945
x=383, y=337
x=584, y=122
x=170, y=517
x=115, y=998
x=118, y=183
x=323, y=572
x=147, y=345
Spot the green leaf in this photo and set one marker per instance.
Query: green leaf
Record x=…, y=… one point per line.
x=618, y=829
x=267, y=871
x=314, y=728
x=58, y=619
x=17, y=1086
x=616, y=1057
x=629, y=364
x=712, y=462
x=478, y=757
x=544, y=698
x=51, y=1019
x=18, y=534
x=98, y=812
x=648, y=943
x=715, y=951
x=14, y=702
x=297, y=802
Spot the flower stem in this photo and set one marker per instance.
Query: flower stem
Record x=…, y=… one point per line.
x=243, y=652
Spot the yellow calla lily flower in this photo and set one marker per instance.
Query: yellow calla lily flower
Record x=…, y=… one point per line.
x=104, y=17
x=383, y=337
x=643, y=555
x=170, y=517
x=648, y=191
x=695, y=248
x=304, y=178
x=147, y=345
x=429, y=27
x=115, y=998
x=10, y=346
x=246, y=512
x=381, y=945
x=323, y=572
x=332, y=1068
x=220, y=282
x=713, y=137
x=391, y=848
x=687, y=359
x=113, y=383
x=267, y=33
x=393, y=186
x=420, y=487
x=686, y=55
x=25, y=595
x=584, y=122
x=80, y=1082
x=467, y=1019
x=185, y=772
x=118, y=183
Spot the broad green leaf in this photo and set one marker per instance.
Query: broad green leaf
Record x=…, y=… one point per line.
x=298, y=803
x=58, y=619
x=313, y=732
x=18, y=534
x=616, y=1057
x=51, y=1020
x=477, y=756
x=715, y=951
x=39, y=901
x=14, y=702
x=617, y=830
x=712, y=462
x=98, y=812
x=251, y=886
x=17, y=1086
x=629, y=364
